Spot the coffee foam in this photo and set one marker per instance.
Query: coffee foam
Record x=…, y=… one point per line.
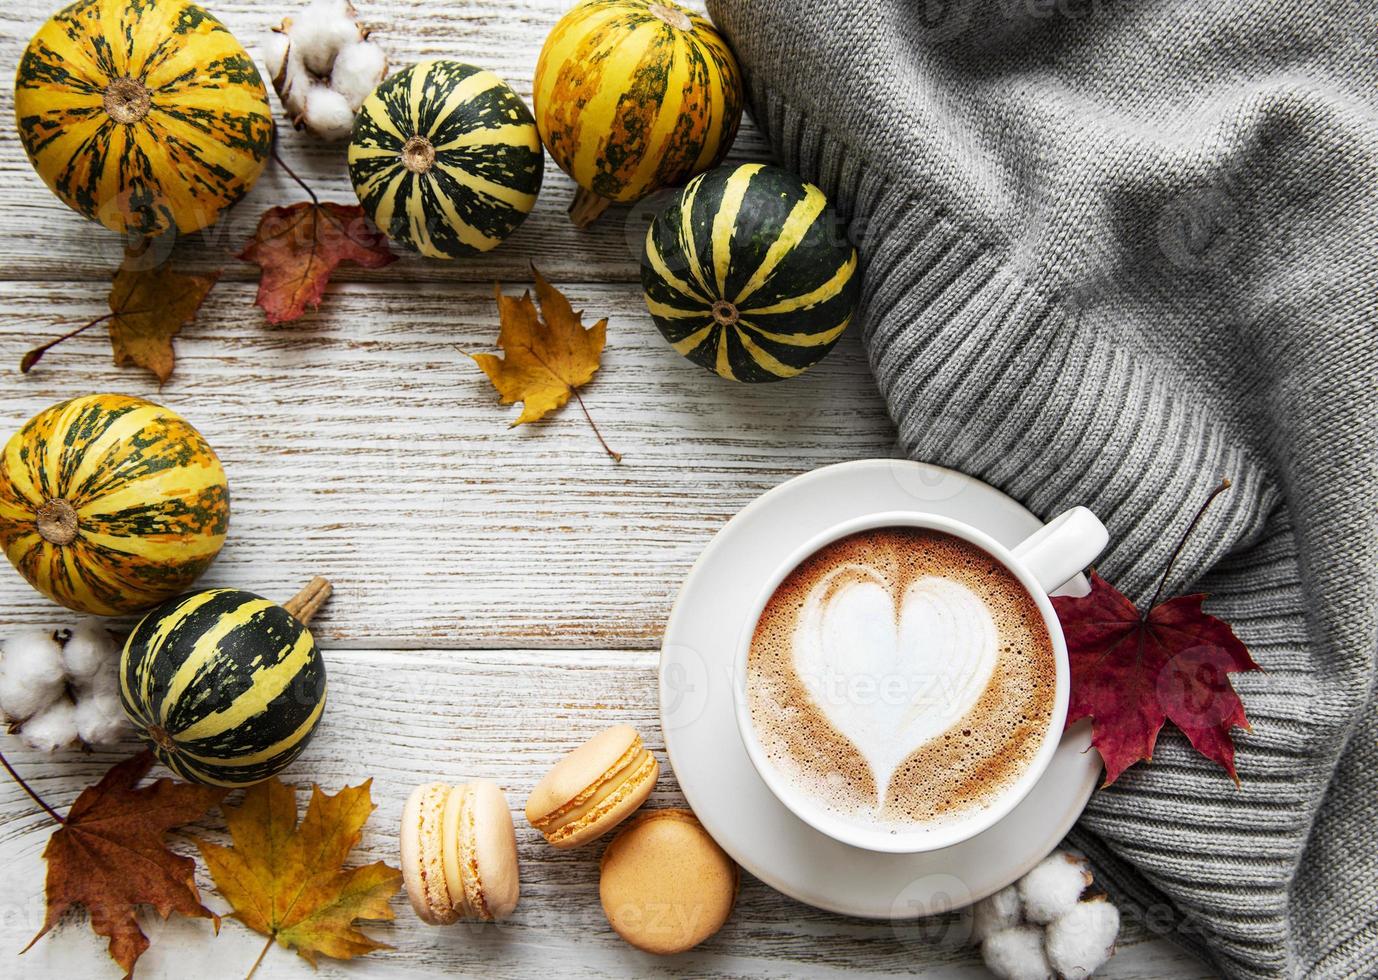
x=922, y=739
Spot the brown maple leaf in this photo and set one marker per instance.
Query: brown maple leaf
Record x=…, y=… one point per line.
x=109, y=856
x=285, y=881
x=1132, y=671
x=549, y=354
x=148, y=307
x=299, y=247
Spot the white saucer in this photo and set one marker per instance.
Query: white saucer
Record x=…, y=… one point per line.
x=705, y=749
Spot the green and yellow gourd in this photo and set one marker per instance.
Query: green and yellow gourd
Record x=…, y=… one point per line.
x=446, y=159
x=747, y=273
x=632, y=96
x=111, y=504
x=145, y=116
x=227, y=687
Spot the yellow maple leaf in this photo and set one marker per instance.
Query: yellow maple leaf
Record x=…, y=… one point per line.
x=549, y=354
x=285, y=880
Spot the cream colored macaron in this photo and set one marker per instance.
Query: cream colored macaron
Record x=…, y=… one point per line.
x=459, y=853
x=666, y=886
x=594, y=788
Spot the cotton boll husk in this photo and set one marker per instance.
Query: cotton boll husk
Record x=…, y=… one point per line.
x=1016, y=954
x=31, y=674
x=1079, y=942
x=358, y=70
x=328, y=113
x=1053, y=887
x=100, y=720
x=53, y=728
x=88, y=648
x=995, y=912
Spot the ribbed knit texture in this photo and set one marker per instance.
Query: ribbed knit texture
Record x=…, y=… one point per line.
x=1113, y=252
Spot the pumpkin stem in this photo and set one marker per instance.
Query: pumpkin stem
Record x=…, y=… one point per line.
x=57, y=522
x=418, y=155
x=306, y=603
x=726, y=314
x=587, y=207
x=671, y=15
x=127, y=101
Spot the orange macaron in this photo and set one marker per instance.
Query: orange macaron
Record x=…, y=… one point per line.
x=665, y=884
x=593, y=788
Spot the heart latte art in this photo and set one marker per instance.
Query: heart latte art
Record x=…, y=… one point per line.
x=901, y=676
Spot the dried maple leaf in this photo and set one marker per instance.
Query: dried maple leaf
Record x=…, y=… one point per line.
x=1132, y=671
x=298, y=248
x=285, y=881
x=109, y=856
x=549, y=354
x=148, y=307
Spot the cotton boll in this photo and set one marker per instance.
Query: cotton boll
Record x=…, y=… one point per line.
x=100, y=720
x=1016, y=954
x=31, y=674
x=53, y=728
x=88, y=648
x=1079, y=942
x=995, y=912
x=275, y=48
x=358, y=70
x=1053, y=887
x=321, y=31
x=328, y=113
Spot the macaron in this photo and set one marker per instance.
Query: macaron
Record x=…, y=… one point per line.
x=459, y=853
x=666, y=886
x=593, y=788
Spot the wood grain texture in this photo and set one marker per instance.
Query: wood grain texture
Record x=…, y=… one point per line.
x=501, y=36
x=500, y=593
x=362, y=445
x=409, y=717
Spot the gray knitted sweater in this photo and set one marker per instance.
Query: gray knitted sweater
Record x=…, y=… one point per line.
x=1115, y=251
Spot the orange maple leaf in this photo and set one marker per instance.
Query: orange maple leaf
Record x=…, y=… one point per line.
x=549, y=354
x=285, y=881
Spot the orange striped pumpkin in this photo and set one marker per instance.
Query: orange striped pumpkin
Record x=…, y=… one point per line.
x=632, y=96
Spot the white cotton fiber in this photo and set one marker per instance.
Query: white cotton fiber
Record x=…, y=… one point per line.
x=1079, y=942
x=100, y=721
x=358, y=70
x=53, y=728
x=328, y=113
x=88, y=649
x=31, y=674
x=1016, y=954
x=995, y=912
x=1054, y=886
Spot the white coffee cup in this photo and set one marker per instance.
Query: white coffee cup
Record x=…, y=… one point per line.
x=1042, y=563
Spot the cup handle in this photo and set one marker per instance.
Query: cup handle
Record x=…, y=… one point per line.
x=1063, y=547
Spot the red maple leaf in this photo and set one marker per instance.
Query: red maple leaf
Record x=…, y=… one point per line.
x=298, y=248
x=1132, y=671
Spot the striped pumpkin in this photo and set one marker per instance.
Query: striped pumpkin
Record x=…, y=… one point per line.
x=111, y=504
x=747, y=273
x=632, y=96
x=445, y=158
x=146, y=116
x=226, y=686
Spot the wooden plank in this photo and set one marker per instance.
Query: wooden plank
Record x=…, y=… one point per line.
x=361, y=444
x=501, y=36
x=504, y=716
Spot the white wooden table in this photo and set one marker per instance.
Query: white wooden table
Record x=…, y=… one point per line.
x=500, y=593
